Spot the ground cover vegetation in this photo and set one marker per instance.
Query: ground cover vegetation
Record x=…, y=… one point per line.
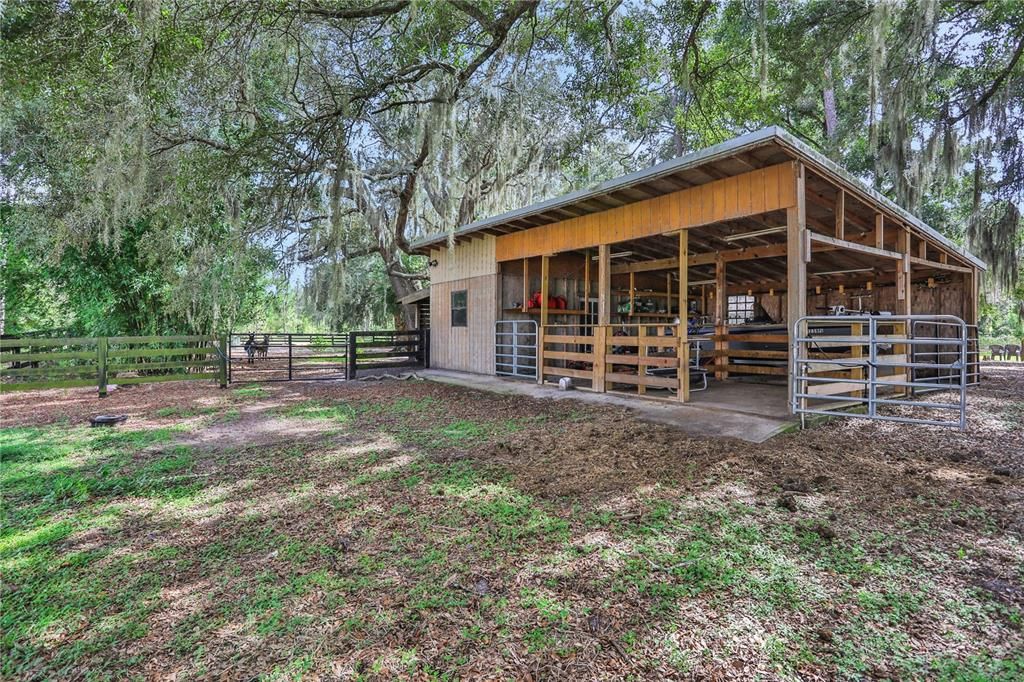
x=194, y=166
x=424, y=531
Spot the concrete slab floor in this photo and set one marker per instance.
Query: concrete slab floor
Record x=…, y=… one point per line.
x=749, y=411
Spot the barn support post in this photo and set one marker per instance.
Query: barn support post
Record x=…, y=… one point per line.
x=604, y=284
x=545, y=268
x=684, y=341
x=796, y=267
x=289, y=357
x=721, y=312
x=101, y=365
x=222, y=345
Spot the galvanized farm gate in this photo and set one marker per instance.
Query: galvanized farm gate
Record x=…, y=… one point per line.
x=515, y=348
x=869, y=367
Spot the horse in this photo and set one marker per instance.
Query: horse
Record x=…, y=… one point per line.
x=256, y=350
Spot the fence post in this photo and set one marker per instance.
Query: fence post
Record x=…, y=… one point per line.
x=223, y=347
x=289, y=357
x=101, y=361
x=351, y=373
x=425, y=336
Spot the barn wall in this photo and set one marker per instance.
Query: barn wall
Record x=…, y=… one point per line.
x=470, y=266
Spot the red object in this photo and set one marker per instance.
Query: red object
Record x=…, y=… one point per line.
x=562, y=303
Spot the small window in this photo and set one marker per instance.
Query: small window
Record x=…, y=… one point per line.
x=459, y=308
x=741, y=309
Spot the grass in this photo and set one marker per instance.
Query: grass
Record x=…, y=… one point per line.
x=399, y=556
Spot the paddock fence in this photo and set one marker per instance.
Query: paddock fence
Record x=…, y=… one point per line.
x=45, y=363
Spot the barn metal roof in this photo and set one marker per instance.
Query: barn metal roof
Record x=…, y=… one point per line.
x=664, y=178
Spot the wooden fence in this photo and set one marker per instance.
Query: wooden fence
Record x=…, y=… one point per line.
x=33, y=363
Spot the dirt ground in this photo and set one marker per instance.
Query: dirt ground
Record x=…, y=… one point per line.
x=332, y=530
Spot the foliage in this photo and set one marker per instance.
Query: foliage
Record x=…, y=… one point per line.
x=328, y=135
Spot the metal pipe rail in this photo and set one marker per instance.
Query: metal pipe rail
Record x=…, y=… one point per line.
x=515, y=348
x=864, y=356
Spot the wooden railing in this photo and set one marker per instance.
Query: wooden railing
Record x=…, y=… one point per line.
x=616, y=357
x=32, y=363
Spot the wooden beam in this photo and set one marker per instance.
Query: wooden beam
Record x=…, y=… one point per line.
x=904, y=286
x=544, y=269
x=604, y=284
x=796, y=266
x=683, y=353
x=879, y=230
x=853, y=246
x=584, y=304
x=841, y=213
x=938, y=265
x=526, y=284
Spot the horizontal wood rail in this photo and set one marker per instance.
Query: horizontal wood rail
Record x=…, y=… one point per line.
x=31, y=363
x=614, y=357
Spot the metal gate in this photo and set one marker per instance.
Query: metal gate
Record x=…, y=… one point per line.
x=258, y=356
x=515, y=348
x=869, y=366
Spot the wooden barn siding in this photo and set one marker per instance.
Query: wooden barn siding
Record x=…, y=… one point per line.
x=471, y=258
x=469, y=348
x=759, y=191
x=471, y=266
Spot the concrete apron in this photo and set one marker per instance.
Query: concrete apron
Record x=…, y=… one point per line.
x=712, y=418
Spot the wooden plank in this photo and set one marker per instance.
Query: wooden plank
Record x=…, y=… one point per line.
x=643, y=360
x=854, y=246
x=47, y=343
x=567, y=372
x=159, y=352
x=683, y=351
x=568, y=338
x=840, y=212
x=641, y=380
x=600, y=341
x=162, y=339
x=937, y=265
x=43, y=385
x=545, y=271
x=880, y=231
x=604, y=284
x=52, y=371
x=657, y=341
x=568, y=355
x=38, y=357
x=756, y=369
x=836, y=388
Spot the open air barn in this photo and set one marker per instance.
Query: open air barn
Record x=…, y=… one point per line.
x=738, y=241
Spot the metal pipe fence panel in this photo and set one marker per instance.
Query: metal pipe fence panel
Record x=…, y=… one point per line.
x=852, y=366
x=515, y=348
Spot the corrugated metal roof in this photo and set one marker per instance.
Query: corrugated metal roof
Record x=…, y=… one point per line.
x=774, y=134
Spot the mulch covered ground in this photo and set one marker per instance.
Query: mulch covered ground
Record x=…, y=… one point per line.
x=413, y=529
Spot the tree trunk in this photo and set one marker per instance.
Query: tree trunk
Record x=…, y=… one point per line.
x=405, y=318
x=829, y=100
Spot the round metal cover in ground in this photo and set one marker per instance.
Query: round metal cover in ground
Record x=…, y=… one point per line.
x=107, y=419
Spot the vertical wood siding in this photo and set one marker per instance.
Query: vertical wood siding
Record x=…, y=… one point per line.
x=759, y=191
x=469, y=348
